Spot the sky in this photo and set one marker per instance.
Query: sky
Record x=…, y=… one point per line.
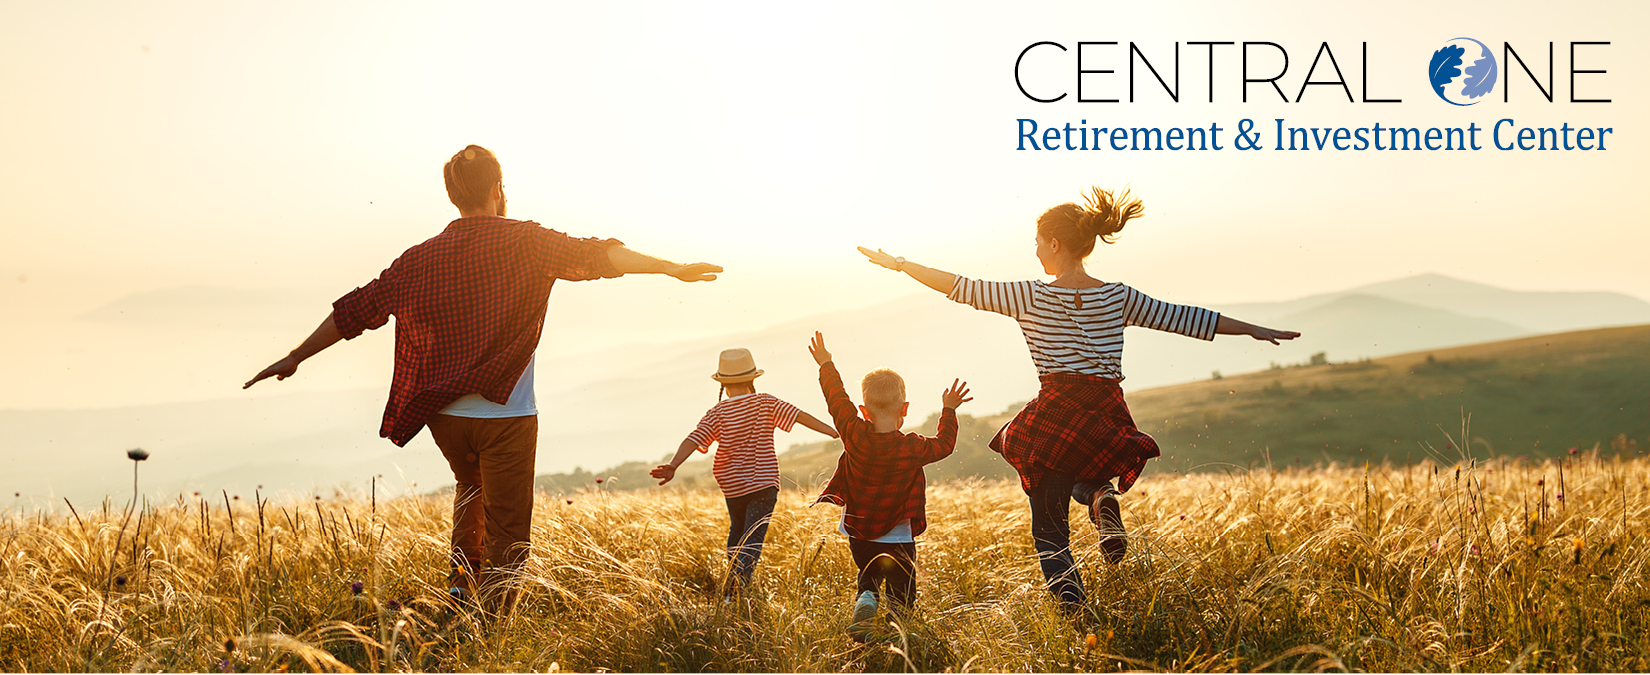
x=293, y=150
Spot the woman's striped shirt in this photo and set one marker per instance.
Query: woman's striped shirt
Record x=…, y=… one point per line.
x=742, y=427
x=1081, y=330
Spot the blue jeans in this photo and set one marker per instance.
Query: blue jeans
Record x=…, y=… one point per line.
x=749, y=516
x=1051, y=533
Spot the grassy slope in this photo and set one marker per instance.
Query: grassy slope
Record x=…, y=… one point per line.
x=1534, y=396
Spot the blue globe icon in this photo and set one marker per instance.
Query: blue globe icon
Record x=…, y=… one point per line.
x=1462, y=71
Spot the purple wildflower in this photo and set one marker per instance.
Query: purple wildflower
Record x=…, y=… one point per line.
x=393, y=605
x=356, y=588
x=120, y=580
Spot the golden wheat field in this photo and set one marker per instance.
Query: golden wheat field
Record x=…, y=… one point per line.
x=1490, y=565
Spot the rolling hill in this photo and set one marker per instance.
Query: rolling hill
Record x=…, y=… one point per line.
x=1535, y=396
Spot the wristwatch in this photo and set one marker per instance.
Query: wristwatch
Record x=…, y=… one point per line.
x=899, y=264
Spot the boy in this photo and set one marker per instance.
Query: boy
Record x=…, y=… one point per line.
x=746, y=467
x=879, y=480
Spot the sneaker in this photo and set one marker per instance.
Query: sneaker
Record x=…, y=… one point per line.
x=865, y=612
x=1108, y=520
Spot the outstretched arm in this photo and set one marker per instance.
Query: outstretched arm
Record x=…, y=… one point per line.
x=1230, y=326
x=812, y=422
x=325, y=335
x=938, y=280
x=627, y=261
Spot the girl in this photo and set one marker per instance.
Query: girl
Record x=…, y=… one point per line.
x=746, y=467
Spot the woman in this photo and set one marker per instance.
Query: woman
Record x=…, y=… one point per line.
x=1076, y=436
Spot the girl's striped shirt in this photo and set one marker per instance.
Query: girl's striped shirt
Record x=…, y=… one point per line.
x=742, y=427
x=1080, y=330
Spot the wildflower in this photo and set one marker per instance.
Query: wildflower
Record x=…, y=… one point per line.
x=1572, y=451
x=229, y=645
x=1579, y=543
x=1560, y=496
x=237, y=498
x=224, y=666
x=393, y=605
x=137, y=454
x=356, y=588
x=1433, y=548
x=120, y=580
x=1472, y=509
x=570, y=501
x=317, y=497
x=1540, y=482
x=1091, y=642
x=1475, y=549
x=598, y=480
x=1451, y=446
x=1182, y=516
x=197, y=493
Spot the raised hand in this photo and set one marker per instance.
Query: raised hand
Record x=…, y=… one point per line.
x=816, y=347
x=695, y=272
x=282, y=369
x=956, y=395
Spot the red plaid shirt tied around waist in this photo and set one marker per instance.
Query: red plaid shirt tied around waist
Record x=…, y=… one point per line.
x=1078, y=424
x=469, y=307
x=879, y=479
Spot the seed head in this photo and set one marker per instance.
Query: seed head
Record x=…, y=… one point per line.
x=137, y=454
x=1540, y=482
x=229, y=645
x=356, y=588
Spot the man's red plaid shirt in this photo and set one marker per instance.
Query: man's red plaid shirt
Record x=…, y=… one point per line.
x=879, y=479
x=469, y=307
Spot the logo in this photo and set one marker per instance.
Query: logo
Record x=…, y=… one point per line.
x=1463, y=71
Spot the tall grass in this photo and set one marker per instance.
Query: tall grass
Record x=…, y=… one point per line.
x=1432, y=567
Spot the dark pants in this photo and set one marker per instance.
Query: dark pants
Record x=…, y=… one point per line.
x=492, y=463
x=748, y=526
x=887, y=569
x=1051, y=533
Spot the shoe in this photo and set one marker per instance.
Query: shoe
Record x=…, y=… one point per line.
x=865, y=612
x=1108, y=520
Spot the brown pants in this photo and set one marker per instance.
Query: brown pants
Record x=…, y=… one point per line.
x=492, y=461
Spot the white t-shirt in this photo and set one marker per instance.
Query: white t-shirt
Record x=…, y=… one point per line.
x=901, y=534
x=522, y=402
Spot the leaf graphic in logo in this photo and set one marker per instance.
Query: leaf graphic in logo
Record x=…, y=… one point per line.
x=1480, y=76
x=1446, y=66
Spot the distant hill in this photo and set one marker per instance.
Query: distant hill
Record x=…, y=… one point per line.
x=1535, y=396
x=633, y=403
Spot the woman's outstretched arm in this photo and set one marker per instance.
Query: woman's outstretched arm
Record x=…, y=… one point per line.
x=1230, y=326
x=938, y=280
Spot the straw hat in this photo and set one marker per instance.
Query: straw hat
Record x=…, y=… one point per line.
x=736, y=365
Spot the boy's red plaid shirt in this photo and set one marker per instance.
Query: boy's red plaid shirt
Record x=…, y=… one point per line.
x=469, y=307
x=879, y=478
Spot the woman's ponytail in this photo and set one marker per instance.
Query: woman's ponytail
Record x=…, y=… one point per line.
x=1101, y=217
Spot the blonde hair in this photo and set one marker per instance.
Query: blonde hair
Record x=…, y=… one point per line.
x=470, y=175
x=1101, y=217
x=883, y=390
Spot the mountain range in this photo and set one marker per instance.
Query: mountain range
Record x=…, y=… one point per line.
x=635, y=402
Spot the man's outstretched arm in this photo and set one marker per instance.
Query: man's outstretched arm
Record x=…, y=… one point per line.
x=627, y=261
x=325, y=335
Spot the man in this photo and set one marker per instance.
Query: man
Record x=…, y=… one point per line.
x=469, y=306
